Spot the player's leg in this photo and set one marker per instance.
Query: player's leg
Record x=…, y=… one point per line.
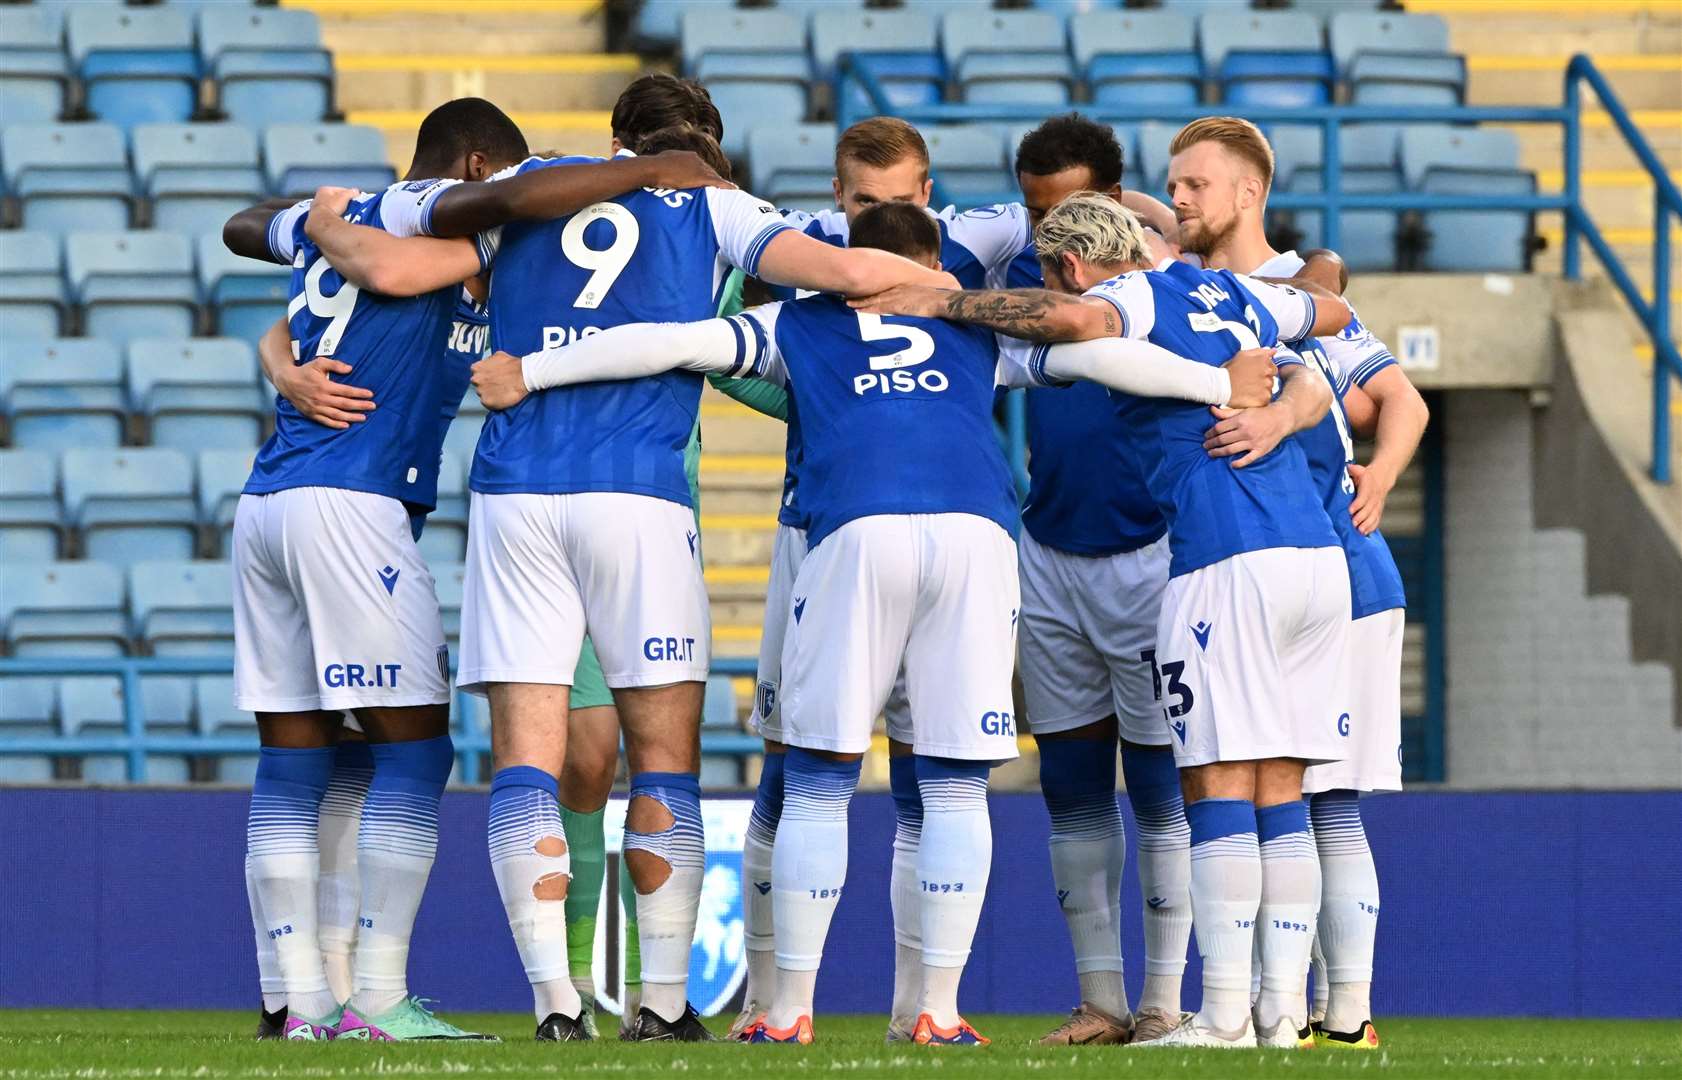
x=586, y=781
x=271, y=1021
x=905, y=891
x=522, y=627
x=340, y=888
x=1289, y=902
x=1226, y=888
x=631, y=968
x=958, y=662
x=1070, y=712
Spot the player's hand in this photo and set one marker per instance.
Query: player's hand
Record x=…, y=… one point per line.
x=675, y=170
x=332, y=200
x=1251, y=372
x=500, y=381
x=312, y=391
x=919, y=300
x=1372, y=487
x=1248, y=434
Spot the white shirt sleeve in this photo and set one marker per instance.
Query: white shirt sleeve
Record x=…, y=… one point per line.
x=1132, y=366
x=283, y=232
x=1356, y=354
x=1131, y=296
x=1015, y=360
x=743, y=226
x=742, y=346
x=406, y=210
x=1292, y=309
x=995, y=235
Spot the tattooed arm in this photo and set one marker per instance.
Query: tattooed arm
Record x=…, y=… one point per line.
x=1034, y=314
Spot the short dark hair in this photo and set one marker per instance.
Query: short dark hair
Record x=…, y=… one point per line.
x=898, y=227
x=658, y=100
x=458, y=128
x=1064, y=142
x=686, y=137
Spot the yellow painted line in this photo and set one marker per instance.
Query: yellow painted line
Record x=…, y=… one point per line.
x=1626, y=62
x=1554, y=179
x=767, y=522
x=735, y=632
x=1635, y=234
x=1643, y=118
x=737, y=575
x=722, y=407
x=593, y=119
x=369, y=9
x=568, y=64
x=742, y=463
x=1583, y=8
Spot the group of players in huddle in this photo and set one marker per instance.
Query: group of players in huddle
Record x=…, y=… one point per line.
x=1199, y=579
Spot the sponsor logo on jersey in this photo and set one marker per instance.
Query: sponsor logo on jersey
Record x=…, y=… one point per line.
x=381, y=676
x=669, y=648
x=1353, y=330
x=998, y=723
x=1201, y=633
x=388, y=578
x=466, y=337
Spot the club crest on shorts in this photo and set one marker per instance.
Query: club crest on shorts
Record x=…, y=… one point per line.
x=766, y=699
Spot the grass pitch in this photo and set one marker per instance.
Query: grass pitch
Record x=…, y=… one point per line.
x=98, y=1045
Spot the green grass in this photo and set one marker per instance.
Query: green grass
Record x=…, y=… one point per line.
x=97, y=1045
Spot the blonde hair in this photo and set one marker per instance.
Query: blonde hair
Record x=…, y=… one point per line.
x=1094, y=227
x=1238, y=136
x=881, y=142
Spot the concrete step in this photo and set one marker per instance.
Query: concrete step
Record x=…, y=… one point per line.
x=720, y=499
x=490, y=27
x=1542, y=146
x=1616, y=198
x=737, y=430
x=585, y=132
x=1544, y=27
x=737, y=582
x=742, y=472
x=568, y=82
x=1641, y=81
x=736, y=546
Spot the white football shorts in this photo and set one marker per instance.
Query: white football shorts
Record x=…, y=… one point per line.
x=1372, y=734
x=937, y=592
x=334, y=608
x=542, y=568
x=1250, y=651
x=1089, y=638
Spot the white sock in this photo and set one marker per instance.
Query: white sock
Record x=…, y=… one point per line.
x=1164, y=851
x=808, y=870
x=285, y=862
x=524, y=813
x=758, y=934
x=905, y=893
x=666, y=916
x=339, y=891
x=1088, y=852
x=1317, y=959
x=1348, y=910
x=268, y=967
x=1225, y=895
x=954, y=858
x=1290, y=901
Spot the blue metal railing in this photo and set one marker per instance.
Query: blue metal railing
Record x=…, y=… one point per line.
x=1654, y=316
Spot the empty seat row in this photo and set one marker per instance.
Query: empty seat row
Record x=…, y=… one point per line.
x=190, y=176
x=137, y=65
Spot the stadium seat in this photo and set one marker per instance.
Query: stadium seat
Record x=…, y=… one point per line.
x=1390, y=58
x=657, y=25
x=1138, y=57
x=215, y=713
x=183, y=608
x=1469, y=161
x=63, y=393
x=793, y=166
x=448, y=578
x=1269, y=58
x=197, y=175
x=244, y=296
x=445, y=536
x=755, y=65
x=33, y=302
x=63, y=609
x=93, y=705
x=1154, y=140
x=133, y=284
x=31, y=529
x=719, y=706
x=463, y=437
x=968, y=163
x=298, y=158
x=898, y=48
x=197, y=392
x=67, y=176
x=268, y=64
x=34, y=78
x=220, y=476
x=1368, y=151
x=131, y=505
x=137, y=64
x=1008, y=57
x=28, y=709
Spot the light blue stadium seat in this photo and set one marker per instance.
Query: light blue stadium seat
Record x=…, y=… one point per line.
x=197, y=175
x=1367, y=238
x=215, y=714
x=67, y=176
x=793, y=163
x=298, y=158
x=245, y=296
x=34, y=77
x=31, y=526
x=183, y=608
x=658, y=23
x=448, y=578
x=719, y=706
x=197, y=392
x=1392, y=58
x=28, y=709
x=131, y=505
x=754, y=63
x=63, y=393
x=942, y=8
x=268, y=64
x=1070, y=8
x=1008, y=57
x=33, y=301
x=1154, y=141
x=899, y=48
x=93, y=705
x=219, y=477
x=1449, y=160
x=133, y=284
x=1267, y=57
x=968, y=163
x=138, y=65
x=463, y=437
x=63, y=609
x=445, y=536
x=1138, y=57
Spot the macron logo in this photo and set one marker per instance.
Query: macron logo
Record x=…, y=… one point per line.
x=1179, y=727
x=799, y=607
x=764, y=887
x=692, y=538
x=1062, y=895
x=388, y=578
x=1201, y=633
x=1156, y=901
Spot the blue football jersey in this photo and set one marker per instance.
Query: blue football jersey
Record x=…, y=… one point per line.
x=1213, y=510
x=1085, y=495
x=1374, y=582
x=648, y=256
x=896, y=413
x=396, y=347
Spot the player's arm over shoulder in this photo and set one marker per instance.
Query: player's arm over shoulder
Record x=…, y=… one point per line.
x=1301, y=310
x=376, y=260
